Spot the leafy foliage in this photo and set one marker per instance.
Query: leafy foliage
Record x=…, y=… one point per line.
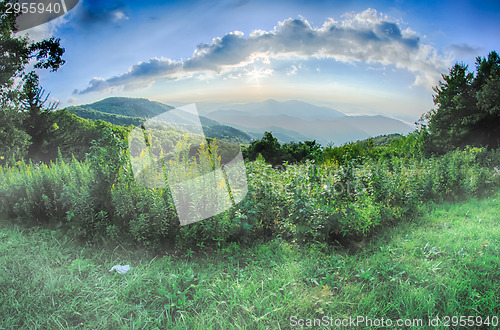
x=14, y=140
x=99, y=197
x=109, y=117
x=22, y=100
x=468, y=107
x=276, y=154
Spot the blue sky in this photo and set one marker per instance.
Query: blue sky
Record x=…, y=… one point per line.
x=360, y=57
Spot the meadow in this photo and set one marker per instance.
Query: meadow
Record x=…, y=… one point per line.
x=444, y=263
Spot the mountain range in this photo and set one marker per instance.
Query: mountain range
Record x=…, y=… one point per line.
x=288, y=121
x=296, y=120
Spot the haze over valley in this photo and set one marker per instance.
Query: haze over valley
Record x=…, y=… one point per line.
x=288, y=121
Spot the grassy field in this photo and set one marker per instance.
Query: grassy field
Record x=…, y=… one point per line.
x=444, y=264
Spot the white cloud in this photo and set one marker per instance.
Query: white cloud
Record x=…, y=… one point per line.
x=369, y=37
x=119, y=15
x=141, y=75
x=293, y=70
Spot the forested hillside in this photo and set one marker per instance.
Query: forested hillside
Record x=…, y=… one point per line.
x=129, y=111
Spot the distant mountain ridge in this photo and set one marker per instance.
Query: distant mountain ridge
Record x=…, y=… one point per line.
x=135, y=111
x=298, y=109
x=297, y=120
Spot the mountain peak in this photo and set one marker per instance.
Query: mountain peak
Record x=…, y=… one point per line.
x=127, y=106
x=271, y=101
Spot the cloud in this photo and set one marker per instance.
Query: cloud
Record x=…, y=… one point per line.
x=143, y=74
x=293, y=70
x=368, y=37
x=92, y=12
x=87, y=13
x=465, y=50
x=72, y=100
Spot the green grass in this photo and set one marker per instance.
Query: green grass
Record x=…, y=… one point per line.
x=445, y=264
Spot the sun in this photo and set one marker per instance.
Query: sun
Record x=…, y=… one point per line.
x=257, y=75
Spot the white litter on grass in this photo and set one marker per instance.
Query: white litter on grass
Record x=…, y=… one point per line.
x=120, y=269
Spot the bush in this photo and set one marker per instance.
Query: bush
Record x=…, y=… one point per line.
x=301, y=202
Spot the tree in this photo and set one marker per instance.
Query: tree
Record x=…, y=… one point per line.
x=39, y=122
x=487, y=85
x=268, y=147
x=454, y=101
x=14, y=141
x=467, y=107
x=294, y=152
x=25, y=115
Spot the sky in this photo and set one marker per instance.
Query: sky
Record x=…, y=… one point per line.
x=358, y=57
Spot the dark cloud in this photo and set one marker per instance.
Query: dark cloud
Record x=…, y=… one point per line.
x=367, y=36
x=465, y=50
x=92, y=12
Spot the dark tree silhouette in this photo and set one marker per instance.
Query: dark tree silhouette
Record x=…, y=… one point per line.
x=467, y=107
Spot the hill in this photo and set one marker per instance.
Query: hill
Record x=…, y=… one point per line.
x=135, y=111
x=132, y=107
x=89, y=113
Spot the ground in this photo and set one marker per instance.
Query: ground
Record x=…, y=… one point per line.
x=445, y=264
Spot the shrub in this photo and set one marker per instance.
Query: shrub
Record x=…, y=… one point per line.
x=302, y=202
